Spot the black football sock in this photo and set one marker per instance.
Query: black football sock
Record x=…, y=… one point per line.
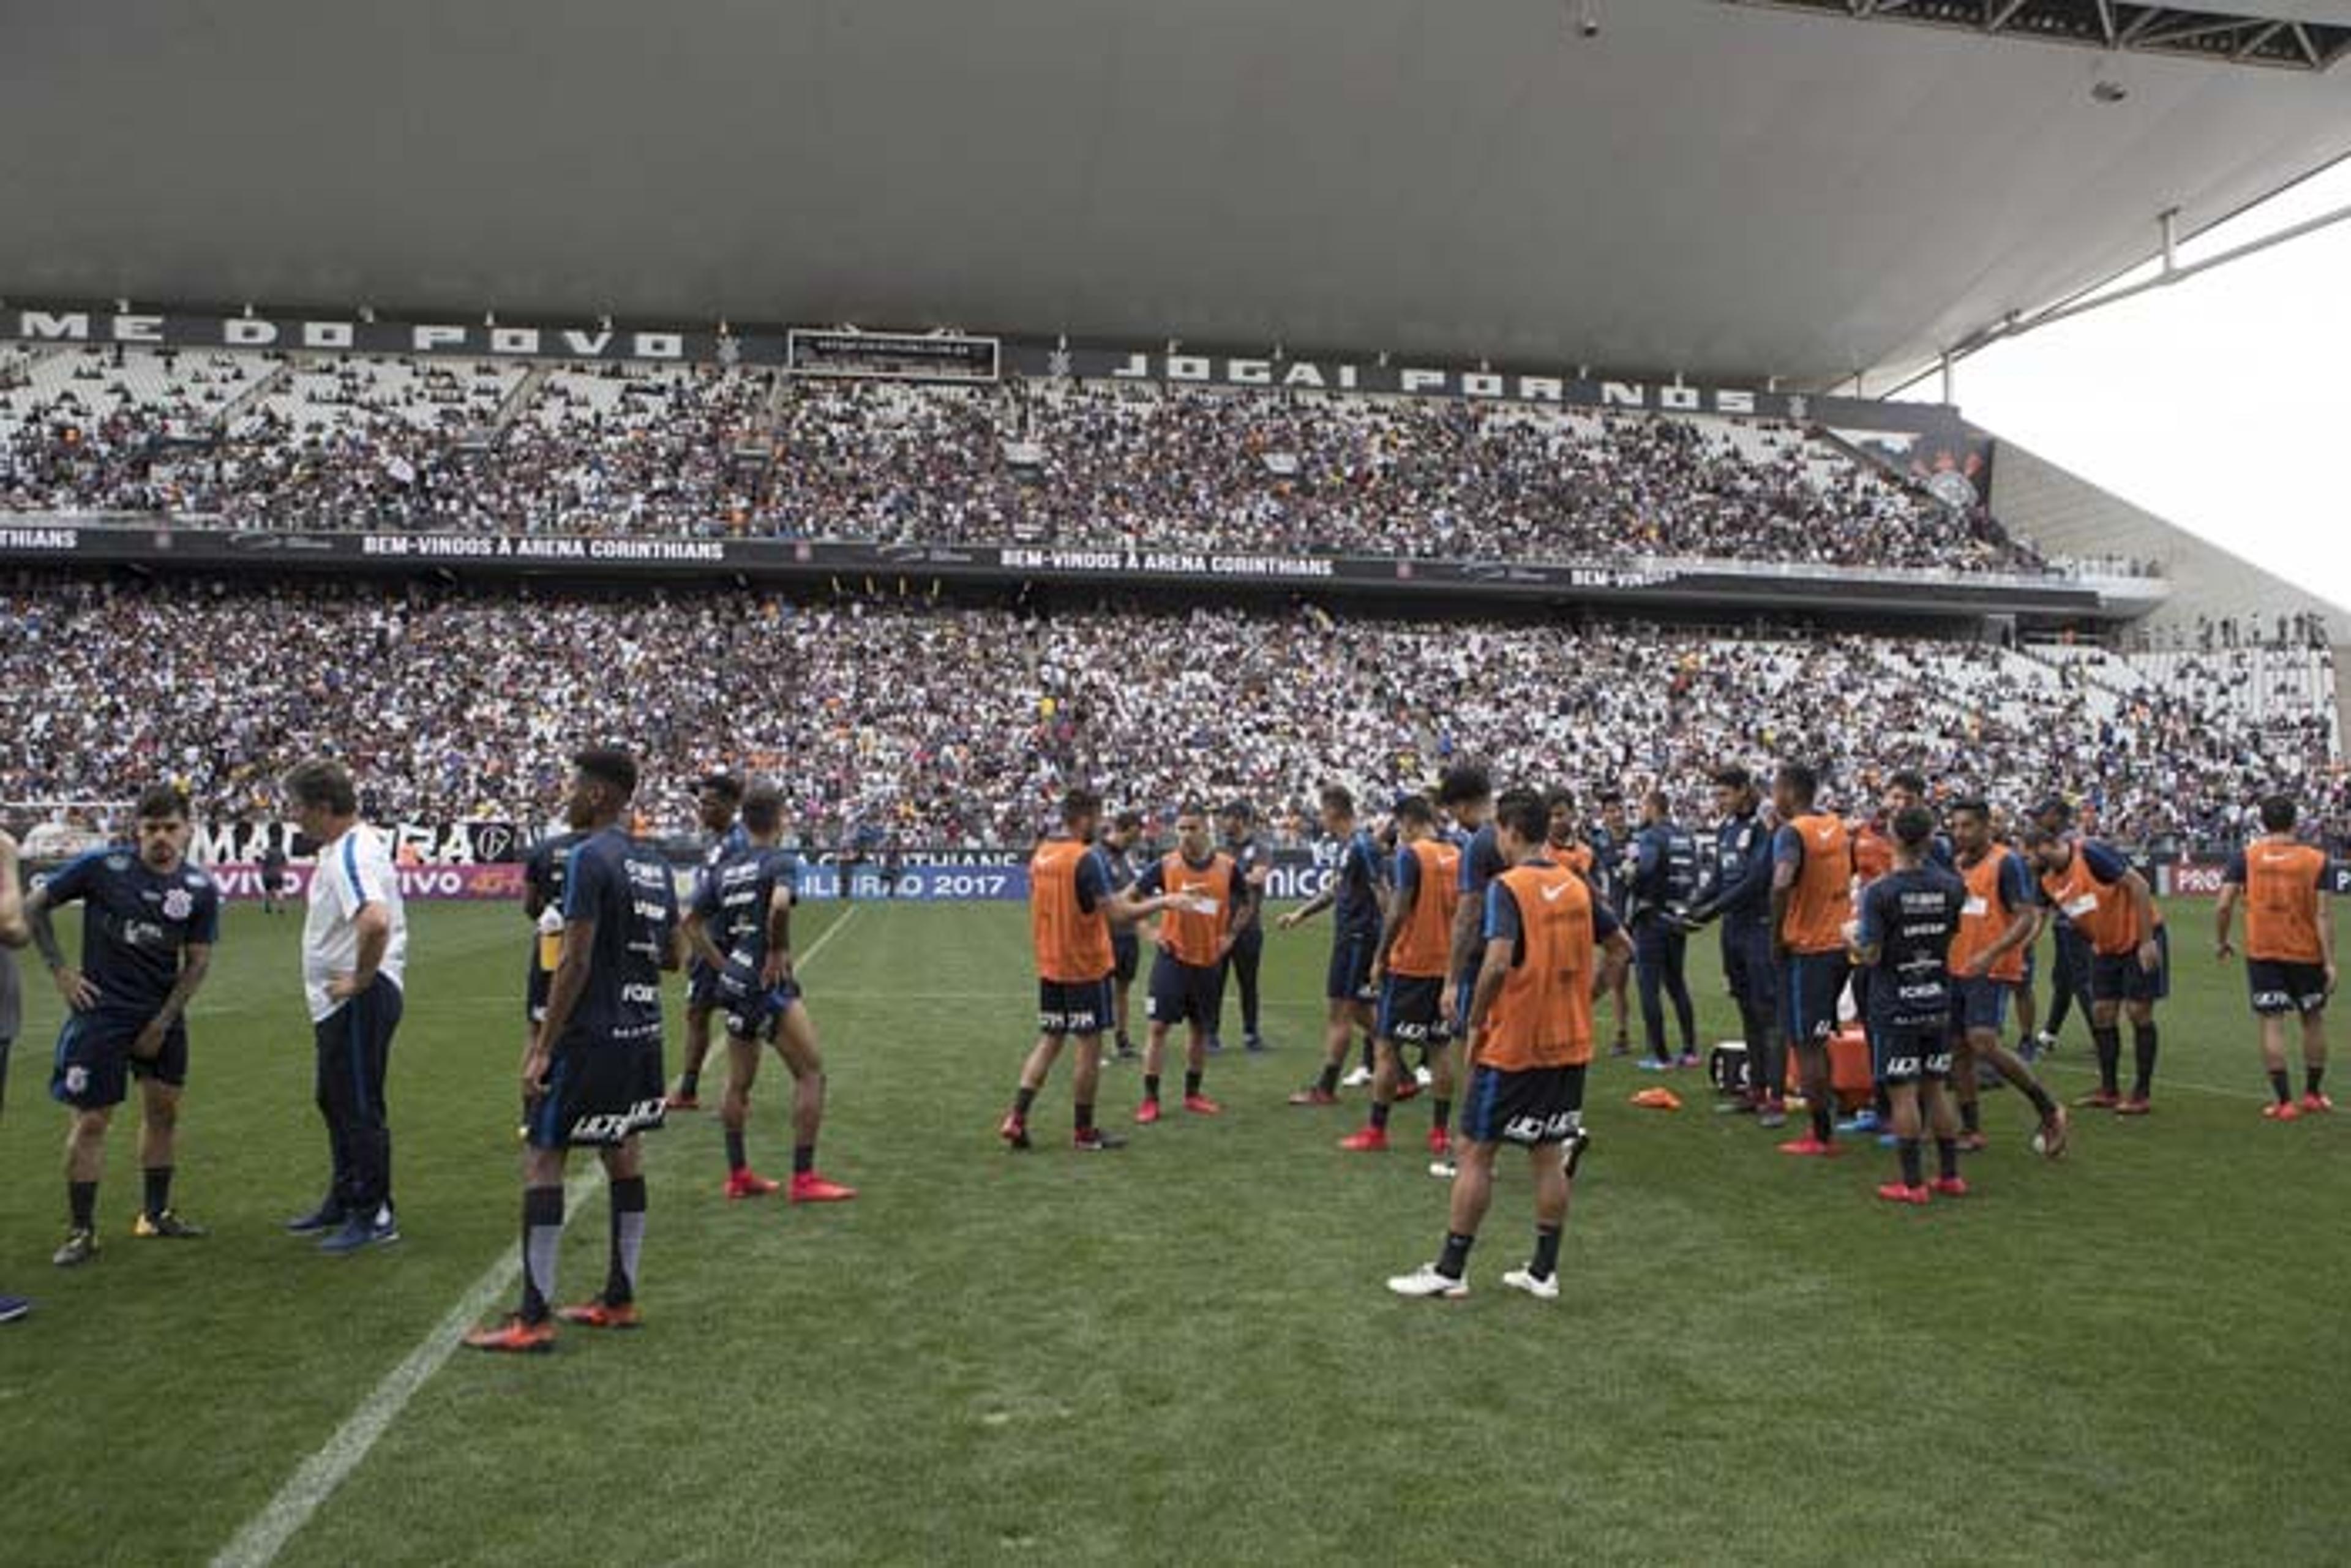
x=1444, y=1118
x=1947, y=1157
x=1371, y=1058
x=1379, y=1116
x=1913, y=1165
x=627, y=1240
x=1085, y=1118
x=2041, y=1102
x=158, y=1179
x=82, y=1201
x=1970, y=1116
x=1546, y=1262
x=689, y=1084
x=2312, y=1077
x=1824, y=1119
x=1151, y=1086
x=803, y=1159
x=542, y=1240
x=1329, y=1082
x=2109, y=1041
x=1455, y=1259
x=1021, y=1100
x=736, y=1160
x=2143, y=1048
x=1191, y=1085
x=2280, y=1085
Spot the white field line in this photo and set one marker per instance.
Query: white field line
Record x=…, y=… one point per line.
x=317, y=1478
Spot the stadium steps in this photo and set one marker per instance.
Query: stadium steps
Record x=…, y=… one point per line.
x=2070, y=662
x=2342, y=705
x=250, y=399
x=1875, y=463
x=525, y=393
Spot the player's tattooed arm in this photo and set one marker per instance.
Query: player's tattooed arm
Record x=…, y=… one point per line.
x=2142, y=898
x=195, y=963
x=2327, y=940
x=1491, y=976
x=1397, y=907
x=14, y=932
x=72, y=984
x=1783, y=893
x=1312, y=906
x=1469, y=917
x=694, y=932
x=779, y=965
x=563, y=989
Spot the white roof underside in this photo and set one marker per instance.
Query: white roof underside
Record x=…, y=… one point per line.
x=1730, y=192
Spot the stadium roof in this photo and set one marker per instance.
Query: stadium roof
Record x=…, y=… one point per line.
x=1734, y=191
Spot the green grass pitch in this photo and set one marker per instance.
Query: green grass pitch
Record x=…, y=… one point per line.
x=1182, y=1354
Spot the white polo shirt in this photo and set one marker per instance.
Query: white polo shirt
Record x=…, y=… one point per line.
x=352, y=872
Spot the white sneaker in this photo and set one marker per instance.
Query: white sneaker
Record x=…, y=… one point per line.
x=1443, y=1170
x=1540, y=1290
x=1356, y=1078
x=1424, y=1076
x=1425, y=1281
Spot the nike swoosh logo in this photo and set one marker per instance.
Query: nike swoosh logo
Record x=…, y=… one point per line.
x=1550, y=894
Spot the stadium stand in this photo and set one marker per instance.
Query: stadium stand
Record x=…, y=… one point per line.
x=959, y=725
x=348, y=441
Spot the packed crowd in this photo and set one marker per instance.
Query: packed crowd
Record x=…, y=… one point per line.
x=942, y=725
x=373, y=444
x=1136, y=465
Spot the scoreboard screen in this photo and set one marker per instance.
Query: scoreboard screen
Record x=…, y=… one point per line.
x=892, y=356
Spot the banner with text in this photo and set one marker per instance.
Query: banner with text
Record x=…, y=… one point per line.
x=915, y=569
x=1241, y=366
x=417, y=883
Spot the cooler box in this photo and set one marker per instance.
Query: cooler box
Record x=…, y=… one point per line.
x=1852, y=1073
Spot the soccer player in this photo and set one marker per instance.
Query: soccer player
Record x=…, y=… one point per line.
x=149, y=923
x=592, y=1074
x=1239, y=824
x=1873, y=857
x=1739, y=892
x=2130, y=963
x=1125, y=946
x=543, y=872
x=354, y=961
x=1205, y=901
x=1612, y=842
x=1075, y=909
x=273, y=875
x=2289, y=950
x=1908, y=918
x=1549, y=946
x=1353, y=895
x=717, y=797
x=1663, y=885
x=1563, y=846
x=741, y=925
x=1811, y=894
x=1408, y=969
x=14, y=934
x=2027, y=1000
x=2069, y=968
x=1464, y=792
x=1998, y=922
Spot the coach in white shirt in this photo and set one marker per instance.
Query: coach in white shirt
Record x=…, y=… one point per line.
x=354, y=951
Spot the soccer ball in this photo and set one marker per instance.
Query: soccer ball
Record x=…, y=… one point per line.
x=2040, y=1143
